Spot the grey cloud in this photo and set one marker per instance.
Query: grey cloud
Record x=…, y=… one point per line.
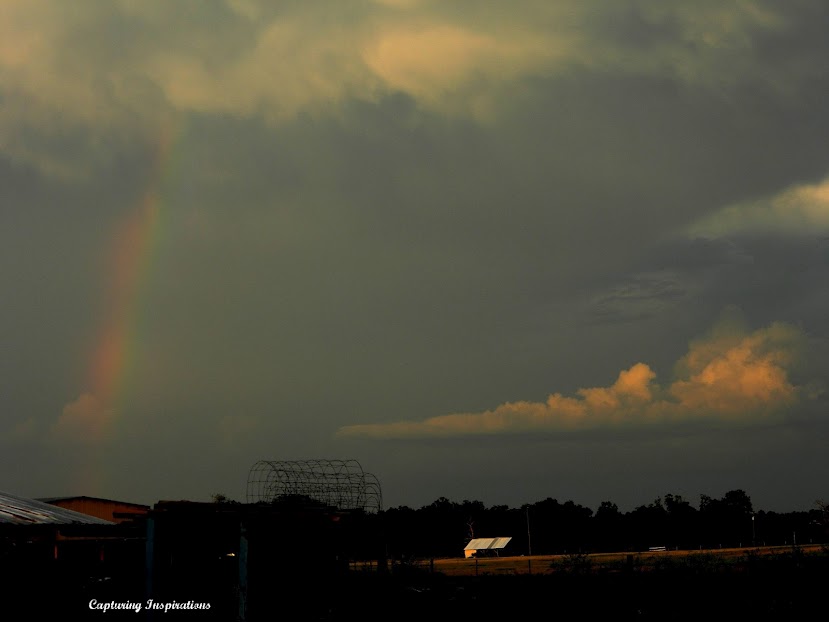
x=338, y=243
x=643, y=295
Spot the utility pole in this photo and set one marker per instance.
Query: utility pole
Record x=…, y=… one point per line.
x=529, y=544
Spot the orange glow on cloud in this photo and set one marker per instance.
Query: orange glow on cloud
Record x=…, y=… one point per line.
x=728, y=376
x=748, y=376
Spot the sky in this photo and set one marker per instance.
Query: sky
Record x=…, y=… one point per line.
x=492, y=251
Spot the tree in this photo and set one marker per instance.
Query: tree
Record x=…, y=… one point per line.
x=727, y=521
x=607, y=511
x=220, y=498
x=823, y=506
x=609, y=526
x=738, y=503
x=682, y=522
x=650, y=524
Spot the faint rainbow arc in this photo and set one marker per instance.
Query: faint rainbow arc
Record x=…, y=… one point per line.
x=131, y=256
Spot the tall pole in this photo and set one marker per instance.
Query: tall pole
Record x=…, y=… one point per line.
x=529, y=544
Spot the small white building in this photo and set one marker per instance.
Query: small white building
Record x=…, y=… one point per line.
x=477, y=546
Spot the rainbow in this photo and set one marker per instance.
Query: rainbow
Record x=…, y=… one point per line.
x=130, y=259
x=94, y=416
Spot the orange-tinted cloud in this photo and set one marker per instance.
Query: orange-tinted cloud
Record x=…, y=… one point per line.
x=727, y=376
x=738, y=376
x=64, y=68
x=436, y=61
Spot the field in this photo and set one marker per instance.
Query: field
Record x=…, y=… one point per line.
x=549, y=564
x=763, y=583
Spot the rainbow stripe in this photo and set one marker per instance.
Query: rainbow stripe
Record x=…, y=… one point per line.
x=133, y=247
x=131, y=256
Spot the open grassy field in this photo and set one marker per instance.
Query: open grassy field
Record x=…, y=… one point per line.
x=549, y=564
x=781, y=583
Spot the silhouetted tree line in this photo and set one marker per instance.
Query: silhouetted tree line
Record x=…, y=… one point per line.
x=442, y=528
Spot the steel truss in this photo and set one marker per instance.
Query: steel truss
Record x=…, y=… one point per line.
x=337, y=483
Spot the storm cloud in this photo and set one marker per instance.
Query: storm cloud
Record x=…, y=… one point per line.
x=436, y=237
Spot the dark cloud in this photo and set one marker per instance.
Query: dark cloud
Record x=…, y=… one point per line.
x=394, y=211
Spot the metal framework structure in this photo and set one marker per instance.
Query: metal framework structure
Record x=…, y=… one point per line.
x=337, y=483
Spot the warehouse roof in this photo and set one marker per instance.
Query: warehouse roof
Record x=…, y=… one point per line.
x=16, y=510
x=479, y=544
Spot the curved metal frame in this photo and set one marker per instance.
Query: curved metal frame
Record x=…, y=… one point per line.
x=338, y=483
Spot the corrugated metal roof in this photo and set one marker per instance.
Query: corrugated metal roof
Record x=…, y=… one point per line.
x=479, y=544
x=16, y=510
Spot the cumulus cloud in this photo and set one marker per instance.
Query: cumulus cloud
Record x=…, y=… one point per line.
x=802, y=208
x=730, y=375
x=87, y=419
x=117, y=68
x=435, y=63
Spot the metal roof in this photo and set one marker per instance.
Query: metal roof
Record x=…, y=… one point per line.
x=16, y=510
x=479, y=544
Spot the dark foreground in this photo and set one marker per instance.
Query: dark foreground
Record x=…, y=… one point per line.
x=786, y=586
